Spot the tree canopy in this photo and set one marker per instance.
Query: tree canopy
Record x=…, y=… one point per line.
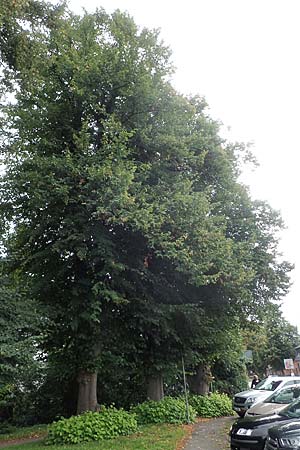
x=120, y=202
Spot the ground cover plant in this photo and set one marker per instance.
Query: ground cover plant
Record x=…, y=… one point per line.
x=168, y=410
x=214, y=405
x=92, y=426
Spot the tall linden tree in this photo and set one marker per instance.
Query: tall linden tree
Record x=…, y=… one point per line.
x=113, y=181
x=90, y=168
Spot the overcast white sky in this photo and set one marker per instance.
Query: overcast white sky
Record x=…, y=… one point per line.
x=243, y=56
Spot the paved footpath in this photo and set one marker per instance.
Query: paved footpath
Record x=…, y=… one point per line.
x=211, y=434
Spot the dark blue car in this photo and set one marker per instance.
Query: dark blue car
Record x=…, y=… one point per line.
x=250, y=433
x=285, y=437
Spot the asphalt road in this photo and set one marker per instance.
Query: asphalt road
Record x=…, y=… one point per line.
x=210, y=434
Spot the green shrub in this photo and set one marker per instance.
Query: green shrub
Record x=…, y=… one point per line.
x=7, y=393
x=214, y=405
x=168, y=410
x=230, y=386
x=92, y=426
x=230, y=373
x=6, y=428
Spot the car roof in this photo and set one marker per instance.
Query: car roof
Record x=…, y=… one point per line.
x=294, y=377
x=296, y=385
x=284, y=377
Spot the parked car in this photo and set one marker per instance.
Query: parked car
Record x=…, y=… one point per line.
x=250, y=433
x=276, y=401
x=244, y=400
x=286, y=437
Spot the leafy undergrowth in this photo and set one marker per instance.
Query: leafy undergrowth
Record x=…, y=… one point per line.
x=168, y=410
x=109, y=423
x=13, y=433
x=214, y=405
x=150, y=437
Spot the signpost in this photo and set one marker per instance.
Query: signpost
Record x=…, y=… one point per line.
x=289, y=365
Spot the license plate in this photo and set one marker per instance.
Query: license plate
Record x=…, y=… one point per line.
x=244, y=432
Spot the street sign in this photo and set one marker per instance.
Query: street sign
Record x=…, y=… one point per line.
x=288, y=364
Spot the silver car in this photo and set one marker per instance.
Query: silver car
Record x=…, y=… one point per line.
x=244, y=400
x=275, y=402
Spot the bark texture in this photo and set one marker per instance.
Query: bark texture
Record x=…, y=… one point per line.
x=200, y=382
x=87, y=392
x=155, y=388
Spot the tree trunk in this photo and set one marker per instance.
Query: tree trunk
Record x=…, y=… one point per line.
x=155, y=388
x=87, y=392
x=200, y=382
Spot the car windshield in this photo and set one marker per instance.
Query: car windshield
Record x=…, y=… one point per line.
x=268, y=384
x=284, y=396
x=292, y=411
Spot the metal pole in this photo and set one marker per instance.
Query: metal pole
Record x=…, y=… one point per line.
x=185, y=393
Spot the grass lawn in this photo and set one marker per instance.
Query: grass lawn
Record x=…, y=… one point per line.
x=150, y=437
x=24, y=432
